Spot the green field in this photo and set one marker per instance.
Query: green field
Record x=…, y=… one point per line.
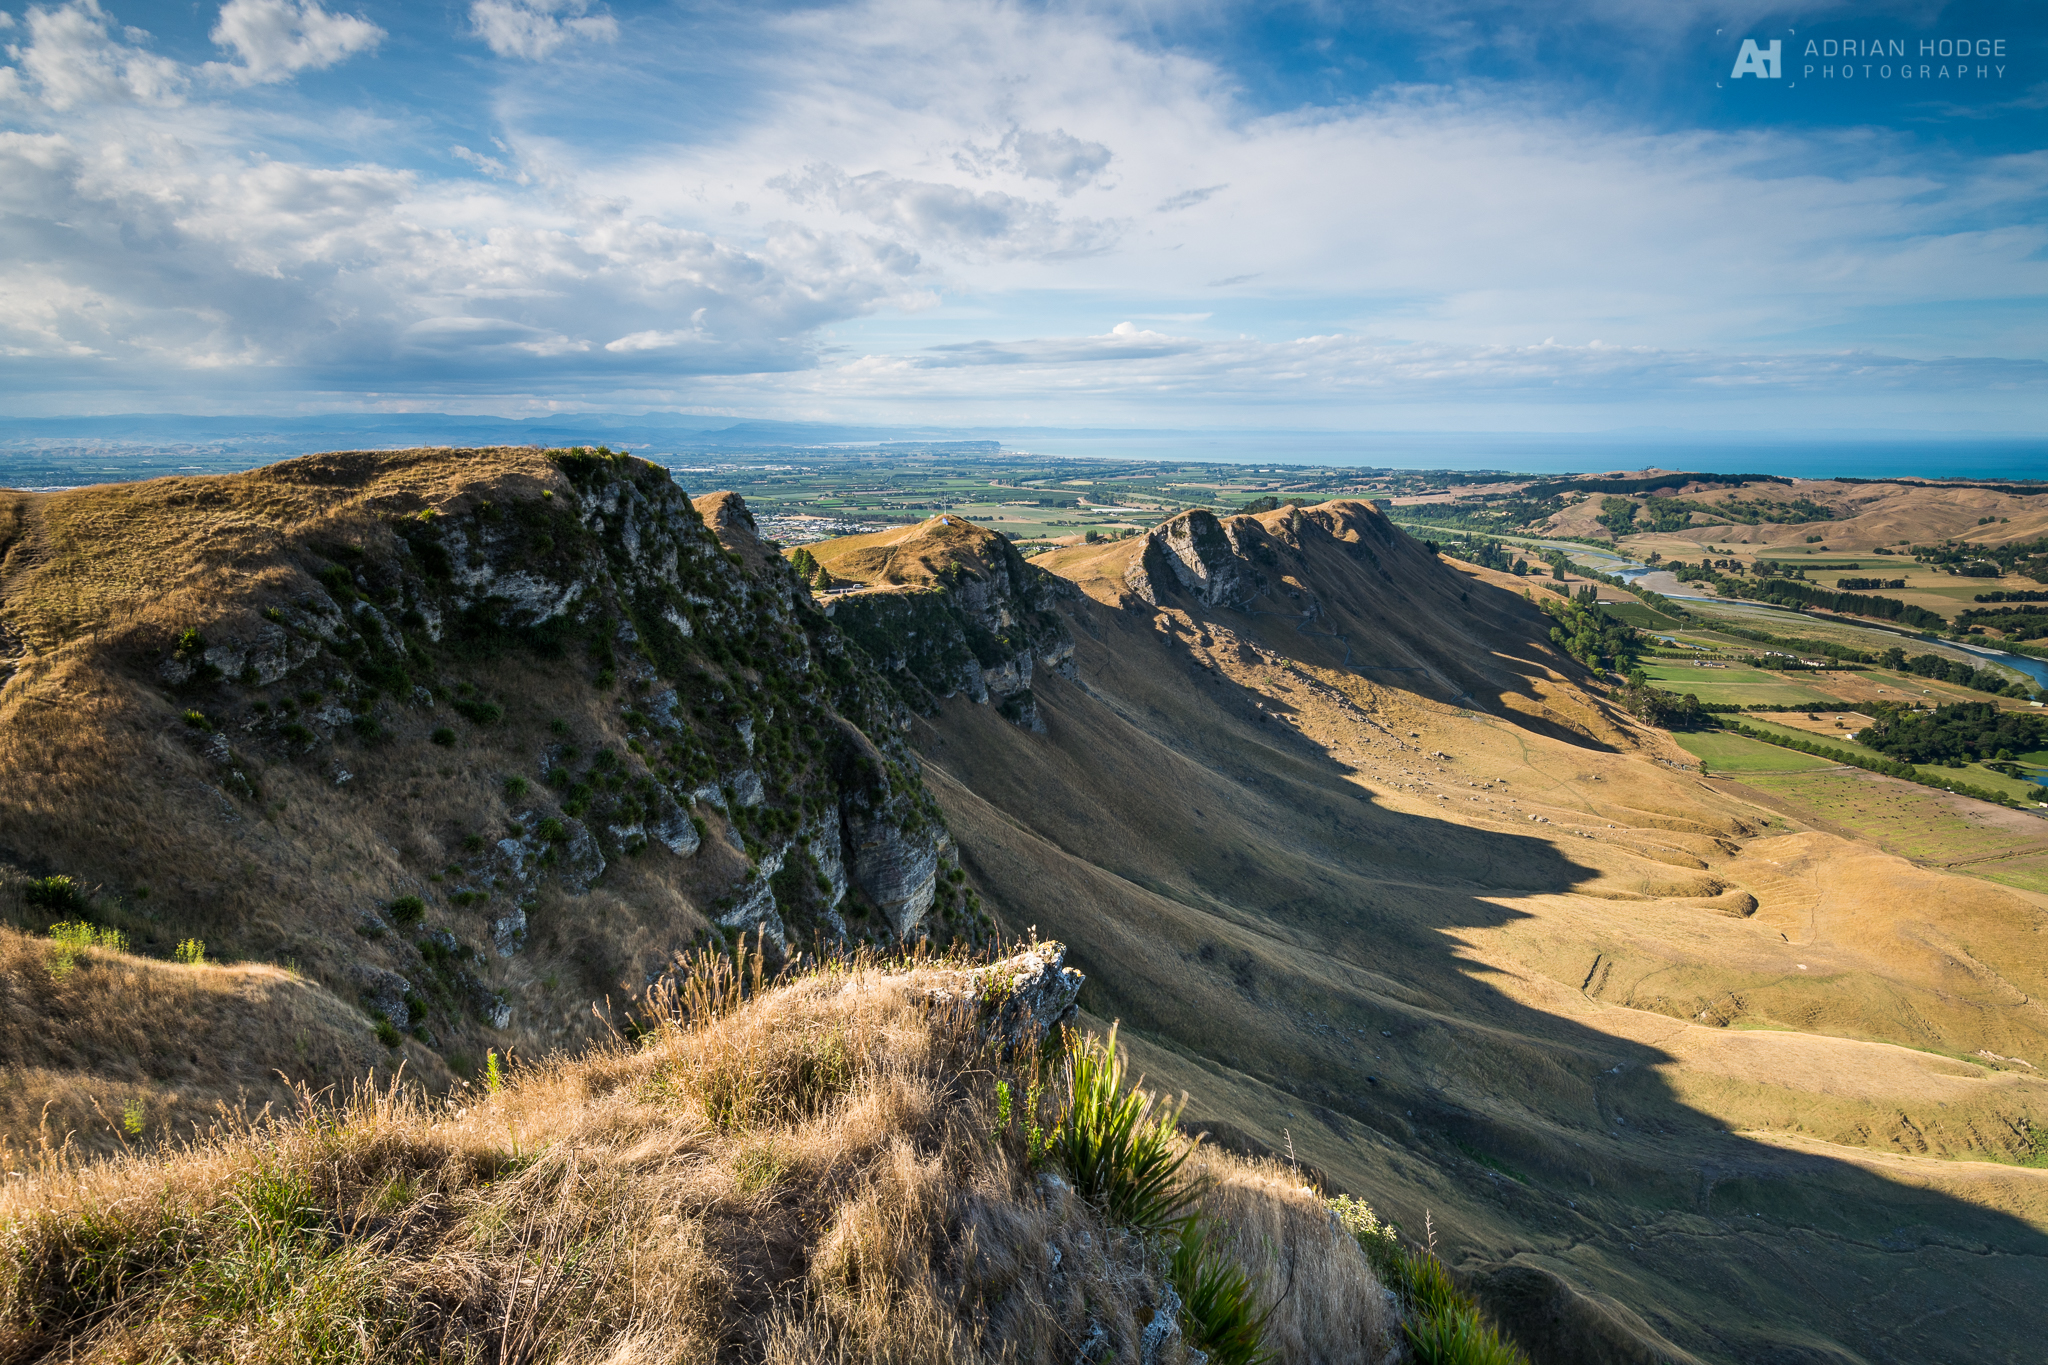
x=1726, y=753
x=1837, y=740
x=1738, y=683
x=1900, y=817
x=1918, y=822
x=1971, y=774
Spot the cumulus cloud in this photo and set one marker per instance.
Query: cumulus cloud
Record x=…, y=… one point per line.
x=73, y=57
x=272, y=39
x=370, y=274
x=535, y=28
x=1052, y=167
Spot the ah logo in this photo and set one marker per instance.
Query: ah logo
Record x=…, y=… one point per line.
x=1754, y=61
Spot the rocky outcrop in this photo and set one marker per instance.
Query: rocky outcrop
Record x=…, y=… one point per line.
x=1020, y=999
x=1195, y=553
x=521, y=669
x=957, y=611
x=384, y=993
x=896, y=865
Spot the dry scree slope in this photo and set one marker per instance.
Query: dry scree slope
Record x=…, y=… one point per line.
x=1369, y=868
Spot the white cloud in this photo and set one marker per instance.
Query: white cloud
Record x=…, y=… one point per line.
x=272, y=39
x=1067, y=161
x=535, y=28
x=1041, y=169
x=73, y=58
x=1187, y=199
x=973, y=224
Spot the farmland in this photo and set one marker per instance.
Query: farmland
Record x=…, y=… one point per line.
x=1926, y=825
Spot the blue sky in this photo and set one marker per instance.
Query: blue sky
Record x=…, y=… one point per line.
x=1486, y=216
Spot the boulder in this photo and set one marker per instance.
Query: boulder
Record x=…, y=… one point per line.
x=383, y=992
x=1020, y=999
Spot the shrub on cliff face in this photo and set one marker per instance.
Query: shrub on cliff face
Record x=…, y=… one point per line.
x=55, y=895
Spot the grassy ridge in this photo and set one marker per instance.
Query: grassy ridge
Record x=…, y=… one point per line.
x=816, y=1168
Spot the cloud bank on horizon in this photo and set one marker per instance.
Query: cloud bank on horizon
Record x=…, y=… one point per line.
x=1484, y=214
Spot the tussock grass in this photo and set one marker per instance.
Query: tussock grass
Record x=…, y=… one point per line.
x=105, y=1048
x=803, y=1170
x=1443, y=1325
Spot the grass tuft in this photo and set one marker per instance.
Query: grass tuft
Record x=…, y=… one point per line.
x=1219, y=1306
x=1119, y=1146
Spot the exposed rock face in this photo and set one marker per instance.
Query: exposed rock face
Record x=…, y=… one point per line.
x=1199, y=555
x=896, y=868
x=958, y=611
x=1020, y=999
x=384, y=992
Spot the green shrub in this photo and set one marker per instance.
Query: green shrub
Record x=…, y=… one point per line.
x=58, y=894
x=443, y=736
x=198, y=721
x=479, y=712
x=515, y=787
x=1379, y=1239
x=552, y=830
x=1443, y=1325
x=1218, y=1305
x=69, y=939
x=408, y=909
x=191, y=952
x=1118, y=1146
x=296, y=733
x=1460, y=1338
x=387, y=1033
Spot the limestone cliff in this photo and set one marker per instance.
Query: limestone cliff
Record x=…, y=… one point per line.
x=471, y=736
x=948, y=608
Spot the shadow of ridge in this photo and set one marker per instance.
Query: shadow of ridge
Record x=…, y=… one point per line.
x=1553, y=1148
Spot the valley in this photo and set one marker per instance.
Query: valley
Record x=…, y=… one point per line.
x=1682, y=1045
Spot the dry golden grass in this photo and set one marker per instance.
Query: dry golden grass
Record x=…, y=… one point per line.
x=815, y=1175
x=911, y=556
x=116, y=1042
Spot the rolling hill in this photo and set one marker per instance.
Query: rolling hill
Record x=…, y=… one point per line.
x=1369, y=869
x=450, y=752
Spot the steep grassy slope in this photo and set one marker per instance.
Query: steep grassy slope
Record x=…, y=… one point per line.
x=1370, y=870
x=826, y=1170
x=475, y=739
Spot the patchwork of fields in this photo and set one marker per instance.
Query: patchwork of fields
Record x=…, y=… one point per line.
x=1921, y=823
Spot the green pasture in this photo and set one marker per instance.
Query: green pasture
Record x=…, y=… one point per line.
x=1739, y=684
x=1727, y=753
x=1919, y=822
x=1838, y=739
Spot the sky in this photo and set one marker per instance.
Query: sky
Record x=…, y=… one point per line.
x=1412, y=215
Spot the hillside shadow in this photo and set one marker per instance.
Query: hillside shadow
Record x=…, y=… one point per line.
x=1300, y=944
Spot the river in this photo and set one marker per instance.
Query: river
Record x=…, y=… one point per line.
x=1661, y=582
